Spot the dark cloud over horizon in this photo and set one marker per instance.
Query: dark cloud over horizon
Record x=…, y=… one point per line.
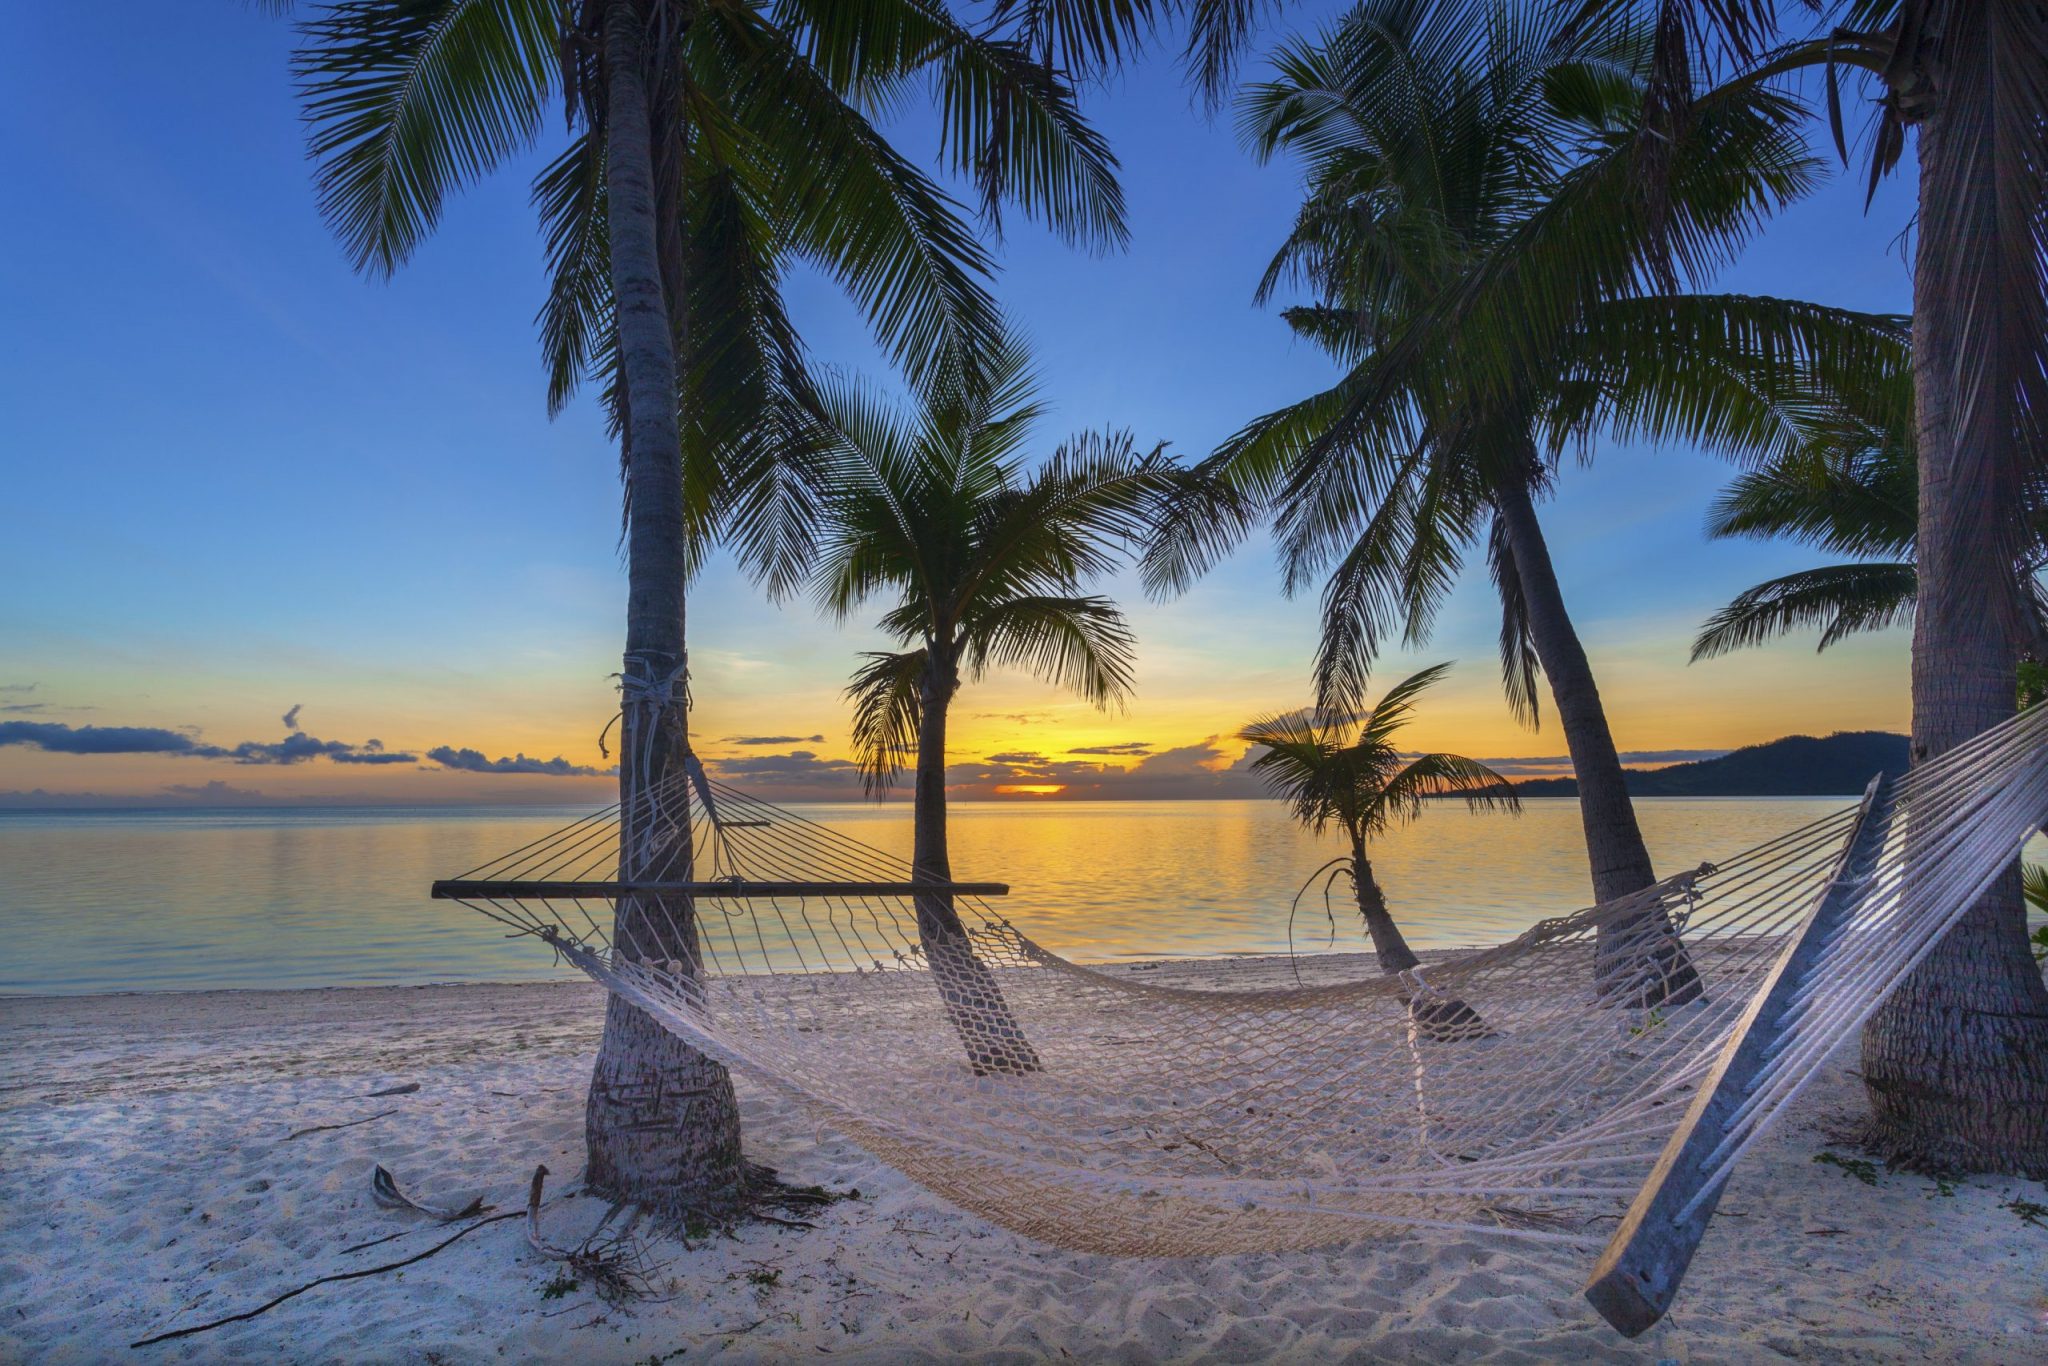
x=476, y=761
x=800, y=766
x=772, y=740
x=55, y=737
x=1129, y=749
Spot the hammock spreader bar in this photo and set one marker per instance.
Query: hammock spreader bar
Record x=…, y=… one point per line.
x=735, y=889
x=1639, y=1272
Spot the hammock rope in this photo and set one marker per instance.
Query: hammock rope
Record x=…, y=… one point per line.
x=1161, y=1116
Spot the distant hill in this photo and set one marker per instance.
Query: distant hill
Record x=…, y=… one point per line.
x=1796, y=766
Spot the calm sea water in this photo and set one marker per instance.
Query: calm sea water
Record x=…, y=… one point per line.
x=164, y=901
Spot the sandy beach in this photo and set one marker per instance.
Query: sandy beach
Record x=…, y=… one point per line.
x=161, y=1166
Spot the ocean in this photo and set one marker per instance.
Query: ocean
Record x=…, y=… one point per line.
x=189, y=900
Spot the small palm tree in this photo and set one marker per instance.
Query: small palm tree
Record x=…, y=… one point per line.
x=982, y=564
x=1344, y=772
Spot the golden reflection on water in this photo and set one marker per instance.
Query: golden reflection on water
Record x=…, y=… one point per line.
x=170, y=901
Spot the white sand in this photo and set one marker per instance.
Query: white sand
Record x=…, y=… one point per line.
x=147, y=1182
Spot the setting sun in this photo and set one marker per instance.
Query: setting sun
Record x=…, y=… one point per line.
x=1030, y=789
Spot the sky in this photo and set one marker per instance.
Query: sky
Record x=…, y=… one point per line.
x=278, y=532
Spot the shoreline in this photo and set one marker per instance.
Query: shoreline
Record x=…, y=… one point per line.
x=169, y=1162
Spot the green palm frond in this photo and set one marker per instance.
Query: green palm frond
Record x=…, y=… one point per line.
x=1861, y=505
x=887, y=707
x=1397, y=705
x=1082, y=644
x=849, y=202
x=407, y=100
x=1839, y=599
x=1762, y=379
x=1518, y=663
x=1431, y=777
x=1081, y=37
x=1295, y=760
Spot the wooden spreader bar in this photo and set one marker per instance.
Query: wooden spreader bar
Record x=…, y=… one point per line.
x=458, y=889
x=1639, y=1273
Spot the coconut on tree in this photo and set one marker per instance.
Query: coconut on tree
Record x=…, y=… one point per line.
x=710, y=143
x=1347, y=773
x=981, y=561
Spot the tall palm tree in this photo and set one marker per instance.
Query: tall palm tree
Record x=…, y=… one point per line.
x=1461, y=158
x=982, y=564
x=1347, y=772
x=1956, y=1061
x=710, y=142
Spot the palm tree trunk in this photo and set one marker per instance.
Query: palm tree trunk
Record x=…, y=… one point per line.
x=1438, y=1017
x=661, y=1123
x=1638, y=961
x=1387, y=943
x=972, y=999
x=1956, y=1061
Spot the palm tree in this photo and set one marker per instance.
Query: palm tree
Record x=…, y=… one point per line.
x=1461, y=159
x=710, y=142
x=982, y=565
x=1956, y=1061
x=1348, y=773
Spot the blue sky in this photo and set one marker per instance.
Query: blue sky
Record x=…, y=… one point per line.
x=241, y=477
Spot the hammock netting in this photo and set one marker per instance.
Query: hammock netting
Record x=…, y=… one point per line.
x=1525, y=1089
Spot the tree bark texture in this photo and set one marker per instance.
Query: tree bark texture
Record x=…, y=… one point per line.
x=1955, y=1062
x=1437, y=1017
x=973, y=1000
x=1638, y=962
x=661, y=1123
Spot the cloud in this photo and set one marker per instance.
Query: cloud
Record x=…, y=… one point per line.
x=299, y=746
x=55, y=737
x=24, y=706
x=475, y=761
x=1187, y=771
x=291, y=718
x=58, y=738
x=798, y=764
x=18, y=687
x=1126, y=748
x=773, y=740
x=1016, y=757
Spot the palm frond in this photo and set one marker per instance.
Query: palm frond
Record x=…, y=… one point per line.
x=1839, y=599
x=406, y=100
x=1437, y=776
x=1082, y=644
x=887, y=708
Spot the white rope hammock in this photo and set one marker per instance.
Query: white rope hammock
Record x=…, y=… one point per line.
x=1099, y=1112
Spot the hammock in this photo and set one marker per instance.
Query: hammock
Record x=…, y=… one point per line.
x=1100, y=1112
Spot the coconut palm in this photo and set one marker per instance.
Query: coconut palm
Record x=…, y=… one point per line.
x=710, y=142
x=1957, y=1075
x=982, y=564
x=1461, y=159
x=1347, y=772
